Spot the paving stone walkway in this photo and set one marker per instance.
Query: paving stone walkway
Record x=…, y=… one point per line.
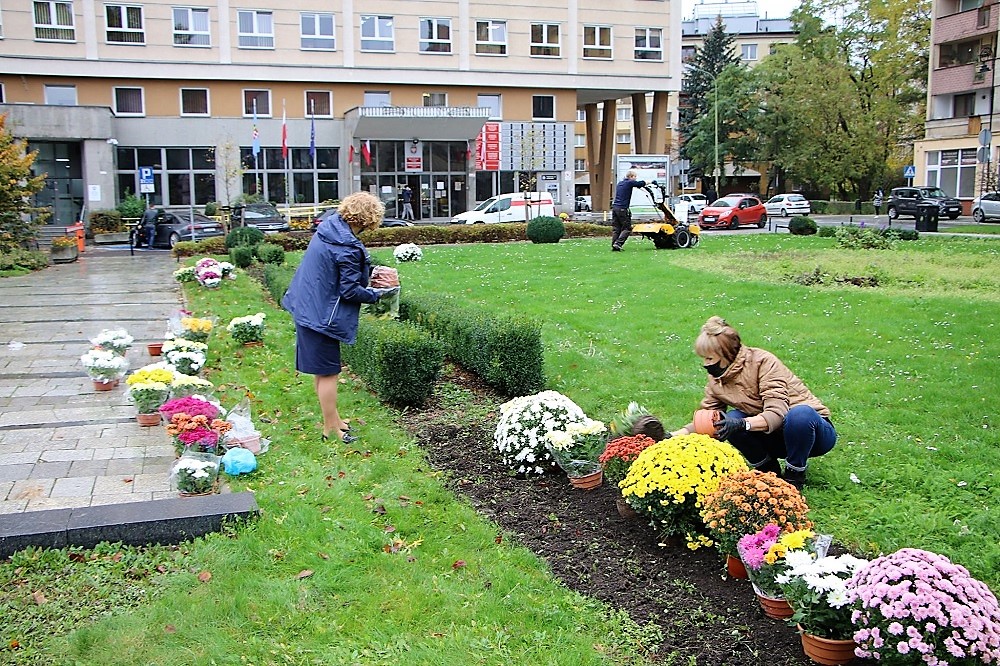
x=62, y=444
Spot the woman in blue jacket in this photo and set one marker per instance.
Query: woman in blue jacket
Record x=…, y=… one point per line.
x=325, y=298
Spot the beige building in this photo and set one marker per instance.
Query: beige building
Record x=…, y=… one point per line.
x=455, y=98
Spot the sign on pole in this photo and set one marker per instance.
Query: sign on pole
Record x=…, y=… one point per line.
x=909, y=171
x=146, y=183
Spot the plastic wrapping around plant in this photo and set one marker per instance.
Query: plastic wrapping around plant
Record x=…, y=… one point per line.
x=247, y=329
x=407, y=252
x=114, y=340
x=668, y=482
x=577, y=447
x=184, y=386
x=525, y=421
x=816, y=589
x=103, y=365
x=195, y=474
x=763, y=554
x=914, y=606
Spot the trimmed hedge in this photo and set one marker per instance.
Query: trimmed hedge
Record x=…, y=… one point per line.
x=244, y=236
x=398, y=360
x=241, y=256
x=546, y=229
x=106, y=222
x=276, y=279
x=802, y=226
x=506, y=352
x=269, y=253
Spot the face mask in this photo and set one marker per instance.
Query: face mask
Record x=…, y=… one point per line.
x=715, y=369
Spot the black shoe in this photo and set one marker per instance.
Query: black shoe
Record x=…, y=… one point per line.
x=795, y=477
x=769, y=465
x=616, y=248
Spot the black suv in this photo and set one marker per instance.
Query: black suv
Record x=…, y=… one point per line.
x=264, y=216
x=904, y=201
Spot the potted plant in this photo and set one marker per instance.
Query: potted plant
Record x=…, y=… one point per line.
x=208, y=272
x=668, y=482
x=185, y=274
x=524, y=422
x=188, y=385
x=249, y=330
x=576, y=448
x=636, y=420
x=744, y=503
x=407, y=252
x=186, y=362
x=763, y=553
x=148, y=396
x=64, y=250
x=616, y=459
x=115, y=340
x=195, y=474
x=196, y=329
x=816, y=589
x=914, y=606
x=104, y=367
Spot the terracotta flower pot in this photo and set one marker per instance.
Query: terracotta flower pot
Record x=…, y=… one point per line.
x=103, y=386
x=735, y=568
x=704, y=420
x=588, y=482
x=147, y=420
x=155, y=348
x=827, y=651
x=774, y=607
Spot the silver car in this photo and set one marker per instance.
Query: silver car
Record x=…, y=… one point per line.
x=785, y=205
x=986, y=207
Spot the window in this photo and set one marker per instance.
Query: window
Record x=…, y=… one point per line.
x=491, y=37
x=954, y=171
x=581, y=115
x=60, y=95
x=377, y=98
x=545, y=39
x=966, y=5
x=579, y=165
x=3, y=97
x=260, y=98
x=623, y=137
x=961, y=53
x=491, y=102
x=54, y=22
x=191, y=27
x=983, y=17
x=435, y=35
x=965, y=105
x=124, y=24
x=543, y=107
x=624, y=114
x=256, y=29
x=194, y=102
x=128, y=102
x=597, y=41
x=649, y=44
x=579, y=140
x=317, y=31
x=377, y=34
x=319, y=103
x=687, y=53
x=435, y=99
x=748, y=52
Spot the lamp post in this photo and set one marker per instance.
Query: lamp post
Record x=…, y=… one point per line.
x=985, y=150
x=715, y=87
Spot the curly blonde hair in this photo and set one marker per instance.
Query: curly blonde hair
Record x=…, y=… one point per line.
x=718, y=338
x=363, y=210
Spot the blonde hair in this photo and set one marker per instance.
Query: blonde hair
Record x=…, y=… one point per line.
x=362, y=209
x=717, y=338
x=631, y=174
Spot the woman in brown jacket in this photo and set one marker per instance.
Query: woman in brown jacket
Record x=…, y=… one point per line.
x=771, y=414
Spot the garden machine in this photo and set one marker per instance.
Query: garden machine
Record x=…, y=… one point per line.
x=668, y=232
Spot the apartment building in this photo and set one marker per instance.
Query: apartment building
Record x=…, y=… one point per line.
x=960, y=93
x=310, y=101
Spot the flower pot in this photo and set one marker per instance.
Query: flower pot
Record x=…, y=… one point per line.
x=827, y=651
x=251, y=443
x=101, y=385
x=704, y=420
x=735, y=567
x=775, y=607
x=147, y=420
x=625, y=510
x=589, y=481
x=155, y=348
x=254, y=343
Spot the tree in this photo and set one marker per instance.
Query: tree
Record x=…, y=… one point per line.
x=19, y=218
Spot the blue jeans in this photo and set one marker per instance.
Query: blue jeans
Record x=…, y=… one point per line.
x=804, y=434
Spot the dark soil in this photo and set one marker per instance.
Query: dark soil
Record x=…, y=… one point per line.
x=705, y=617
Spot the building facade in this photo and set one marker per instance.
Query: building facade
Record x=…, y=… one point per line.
x=311, y=101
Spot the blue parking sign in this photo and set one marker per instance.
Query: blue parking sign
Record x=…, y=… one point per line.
x=909, y=171
x=146, y=183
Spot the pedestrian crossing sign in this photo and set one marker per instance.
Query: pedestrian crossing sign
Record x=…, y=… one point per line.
x=909, y=171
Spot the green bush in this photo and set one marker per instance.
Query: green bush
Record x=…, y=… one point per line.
x=106, y=222
x=244, y=236
x=398, y=360
x=426, y=234
x=863, y=238
x=276, y=279
x=269, y=253
x=546, y=229
x=827, y=232
x=506, y=352
x=241, y=256
x=802, y=226
x=21, y=259
x=291, y=241
x=131, y=206
x=212, y=208
x=214, y=245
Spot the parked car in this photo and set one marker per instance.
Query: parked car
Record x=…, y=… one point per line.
x=174, y=227
x=733, y=211
x=583, y=204
x=695, y=202
x=986, y=207
x=785, y=205
x=904, y=201
x=264, y=216
x=386, y=221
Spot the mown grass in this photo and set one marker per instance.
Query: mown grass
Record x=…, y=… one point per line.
x=974, y=229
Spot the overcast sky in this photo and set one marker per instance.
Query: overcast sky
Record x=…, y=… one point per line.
x=773, y=8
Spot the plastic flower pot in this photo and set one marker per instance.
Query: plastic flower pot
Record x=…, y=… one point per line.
x=827, y=651
x=148, y=420
x=154, y=348
x=735, y=568
x=704, y=420
x=588, y=481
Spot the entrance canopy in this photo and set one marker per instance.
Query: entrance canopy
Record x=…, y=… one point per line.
x=426, y=123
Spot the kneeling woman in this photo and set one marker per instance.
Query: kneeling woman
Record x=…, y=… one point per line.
x=771, y=414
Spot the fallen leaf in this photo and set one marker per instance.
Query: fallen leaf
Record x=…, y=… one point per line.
x=77, y=557
x=367, y=497
x=162, y=568
x=305, y=573
x=117, y=557
x=404, y=498
x=437, y=634
x=389, y=529
x=379, y=509
x=205, y=576
x=459, y=564
x=170, y=629
x=39, y=598
x=127, y=479
x=498, y=539
x=15, y=644
x=323, y=556
x=341, y=475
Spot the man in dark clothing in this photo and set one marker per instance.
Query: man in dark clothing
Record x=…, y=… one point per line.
x=407, y=203
x=711, y=195
x=621, y=216
x=148, y=225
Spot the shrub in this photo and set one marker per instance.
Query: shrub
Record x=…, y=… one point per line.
x=105, y=222
x=241, y=256
x=269, y=253
x=277, y=279
x=131, y=206
x=863, y=238
x=899, y=234
x=802, y=226
x=546, y=229
x=827, y=232
x=211, y=208
x=63, y=242
x=524, y=425
x=244, y=236
x=20, y=259
x=620, y=453
x=398, y=360
x=215, y=245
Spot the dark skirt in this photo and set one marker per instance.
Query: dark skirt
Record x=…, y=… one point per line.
x=316, y=353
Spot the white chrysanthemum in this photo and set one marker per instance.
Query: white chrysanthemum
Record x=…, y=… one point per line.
x=525, y=421
x=407, y=252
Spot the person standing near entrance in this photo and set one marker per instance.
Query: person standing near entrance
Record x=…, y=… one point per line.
x=621, y=216
x=148, y=225
x=407, y=203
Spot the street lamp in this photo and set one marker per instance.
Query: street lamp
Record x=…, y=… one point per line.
x=715, y=86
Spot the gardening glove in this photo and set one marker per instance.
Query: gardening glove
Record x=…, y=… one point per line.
x=387, y=291
x=728, y=426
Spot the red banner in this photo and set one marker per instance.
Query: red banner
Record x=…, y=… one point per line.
x=488, y=148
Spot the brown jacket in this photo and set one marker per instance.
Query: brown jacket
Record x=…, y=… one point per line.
x=756, y=382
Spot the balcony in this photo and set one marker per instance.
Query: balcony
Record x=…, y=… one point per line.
x=953, y=128
x=961, y=78
x=965, y=25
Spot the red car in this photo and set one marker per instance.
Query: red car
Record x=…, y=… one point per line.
x=733, y=211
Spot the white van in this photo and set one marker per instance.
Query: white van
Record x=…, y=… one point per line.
x=509, y=208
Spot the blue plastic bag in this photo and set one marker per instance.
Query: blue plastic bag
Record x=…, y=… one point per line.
x=239, y=461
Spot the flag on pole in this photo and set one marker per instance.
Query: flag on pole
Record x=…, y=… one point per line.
x=366, y=152
x=284, y=133
x=350, y=154
x=312, y=137
x=255, y=136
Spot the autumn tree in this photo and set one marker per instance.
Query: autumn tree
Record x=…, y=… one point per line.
x=19, y=218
